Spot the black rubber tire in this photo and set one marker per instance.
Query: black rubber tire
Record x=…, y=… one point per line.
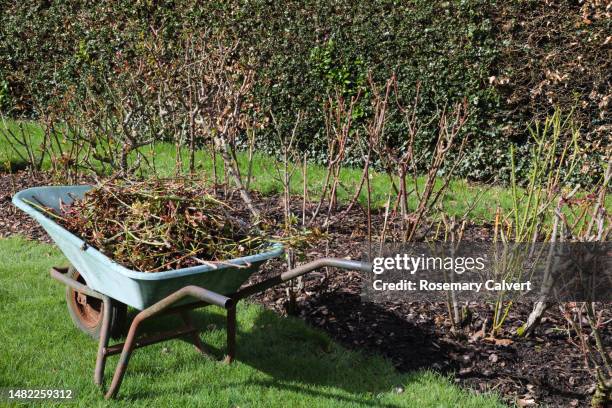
x=87, y=313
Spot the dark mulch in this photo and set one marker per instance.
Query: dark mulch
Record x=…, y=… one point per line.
x=546, y=368
x=12, y=220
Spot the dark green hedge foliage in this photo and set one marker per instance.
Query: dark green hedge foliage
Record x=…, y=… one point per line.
x=304, y=50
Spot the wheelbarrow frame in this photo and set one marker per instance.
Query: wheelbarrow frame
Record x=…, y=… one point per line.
x=168, y=305
x=171, y=292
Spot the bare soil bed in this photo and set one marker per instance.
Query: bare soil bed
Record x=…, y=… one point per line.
x=544, y=369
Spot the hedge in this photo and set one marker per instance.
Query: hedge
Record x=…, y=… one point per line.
x=497, y=55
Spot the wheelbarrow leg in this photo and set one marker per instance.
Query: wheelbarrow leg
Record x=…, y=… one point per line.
x=195, y=336
x=231, y=335
x=124, y=359
x=103, y=343
x=197, y=292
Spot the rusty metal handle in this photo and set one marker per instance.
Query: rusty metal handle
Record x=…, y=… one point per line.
x=323, y=262
x=302, y=270
x=57, y=274
x=205, y=295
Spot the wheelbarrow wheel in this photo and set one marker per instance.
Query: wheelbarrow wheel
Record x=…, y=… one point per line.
x=86, y=312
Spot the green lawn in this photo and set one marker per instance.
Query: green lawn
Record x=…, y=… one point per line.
x=460, y=196
x=458, y=199
x=280, y=361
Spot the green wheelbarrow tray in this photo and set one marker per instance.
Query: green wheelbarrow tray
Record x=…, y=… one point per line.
x=136, y=289
x=99, y=288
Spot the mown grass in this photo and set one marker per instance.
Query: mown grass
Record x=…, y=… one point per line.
x=459, y=198
x=266, y=179
x=280, y=362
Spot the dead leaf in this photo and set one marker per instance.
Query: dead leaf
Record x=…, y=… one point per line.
x=478, y=335
x=499, y=342
x=526, y=402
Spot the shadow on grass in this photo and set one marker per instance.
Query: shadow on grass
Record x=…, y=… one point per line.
x=295, y=355
x=411, y=345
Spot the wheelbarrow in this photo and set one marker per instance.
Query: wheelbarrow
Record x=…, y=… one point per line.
x=98, y=290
